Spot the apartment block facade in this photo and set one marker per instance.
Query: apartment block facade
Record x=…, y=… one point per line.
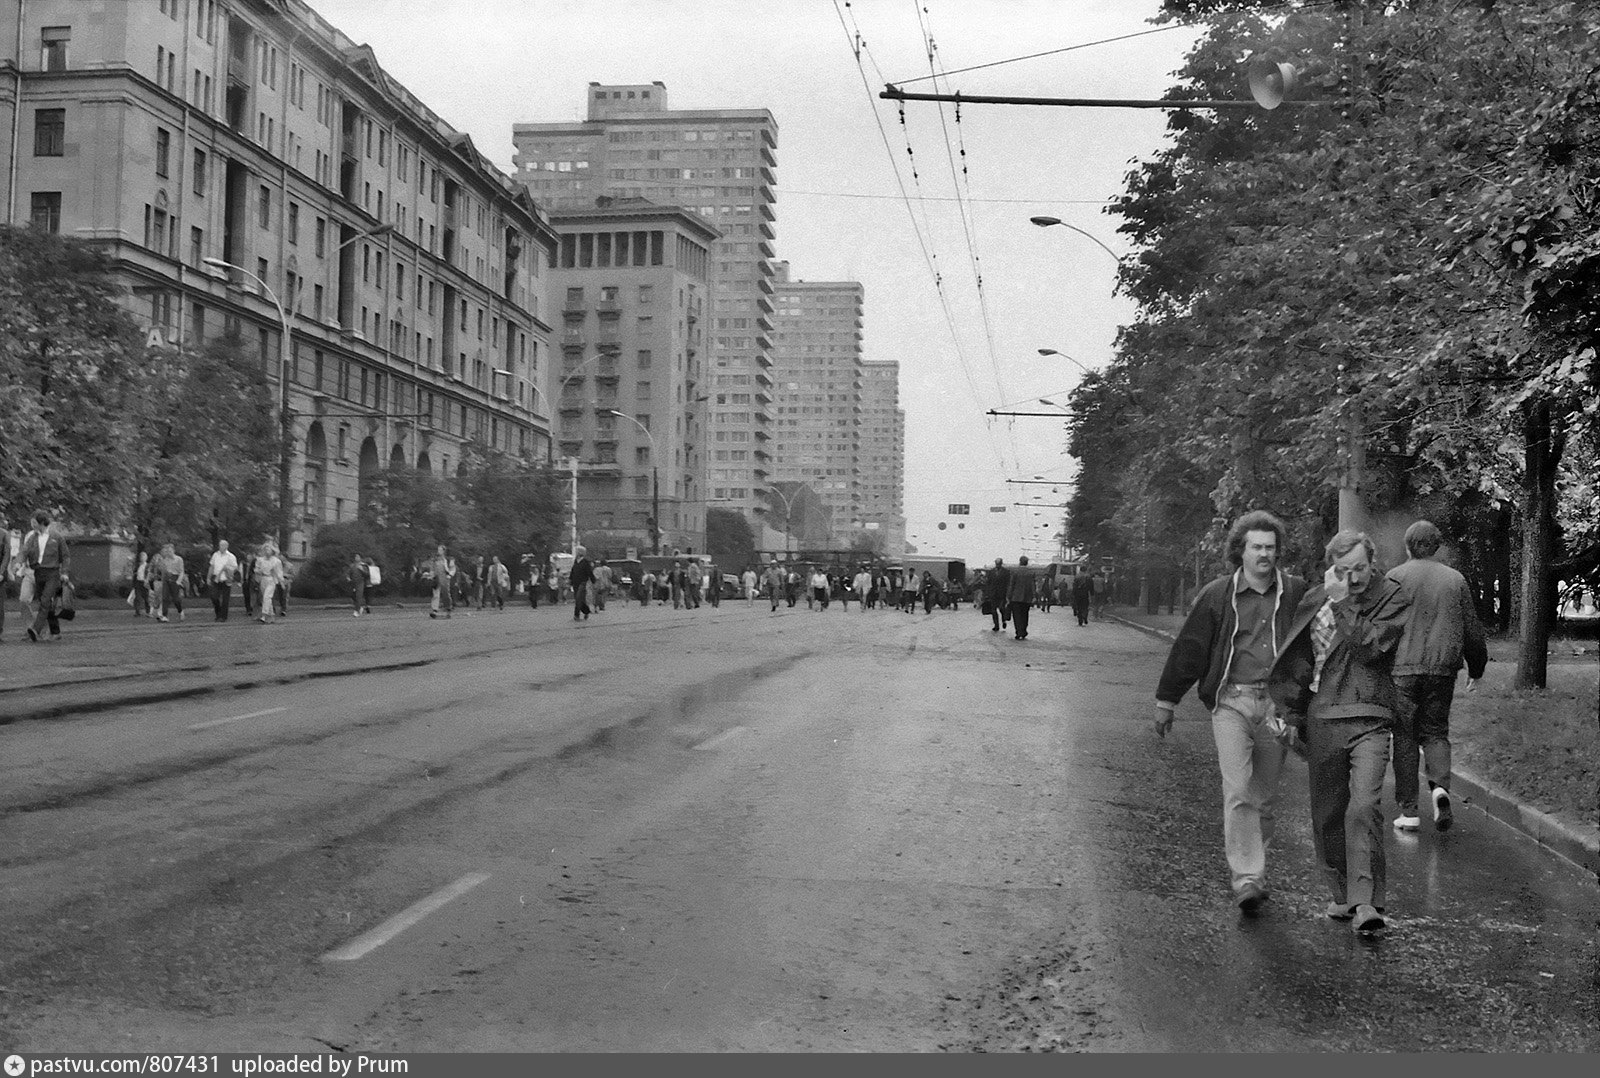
x=881, y=469
x=632, y=279
x=720, y=164
x=412, y=272
x=818, y=405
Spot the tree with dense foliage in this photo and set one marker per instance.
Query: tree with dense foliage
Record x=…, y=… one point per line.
x=68, y=354
x=729, y=539
x=1397, y=291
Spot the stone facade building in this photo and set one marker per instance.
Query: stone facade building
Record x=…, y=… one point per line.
x=180, y=134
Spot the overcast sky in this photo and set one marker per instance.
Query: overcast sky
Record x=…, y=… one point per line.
x=484, y=65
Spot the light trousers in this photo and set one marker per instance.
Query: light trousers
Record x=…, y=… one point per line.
x=1250, y=758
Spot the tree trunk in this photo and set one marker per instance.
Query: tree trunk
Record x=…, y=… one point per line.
x=1538, y=531
x=1500, y=578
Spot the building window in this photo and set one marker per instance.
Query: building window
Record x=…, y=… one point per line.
x=163, y=150
x=45, y=211
x=294, y=224
x=53, y=47
x=200, y=173
x=197, y=245
x=49, y=132
x=322, y=236
x=264, y=207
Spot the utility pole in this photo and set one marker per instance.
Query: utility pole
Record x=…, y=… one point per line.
x=573, y=548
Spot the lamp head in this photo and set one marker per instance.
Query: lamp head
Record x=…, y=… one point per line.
x=1045, y=222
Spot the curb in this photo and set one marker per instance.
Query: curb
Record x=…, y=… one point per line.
x=1579, y=845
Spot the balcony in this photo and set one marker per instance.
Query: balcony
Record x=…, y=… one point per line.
x=608, y=344
x=608, y=308
x=573, y=335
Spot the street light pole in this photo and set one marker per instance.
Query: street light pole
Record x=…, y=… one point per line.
x=788, y=503
x=1046, y=222
x=284, y=429
x=655, y=481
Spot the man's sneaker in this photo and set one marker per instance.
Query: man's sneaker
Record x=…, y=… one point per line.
x=1443, y=817
x=1250, y=897
x=1340, y=911
x=1368, y=919
x=1407, y=823
x=33, y=636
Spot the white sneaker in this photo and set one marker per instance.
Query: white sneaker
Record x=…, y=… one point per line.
x=1443, y=817
x=1407, y=823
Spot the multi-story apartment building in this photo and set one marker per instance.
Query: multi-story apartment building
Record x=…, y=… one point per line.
x=719, y=163
x=632, y=281
x=882, y=465
x=185, y=134
x=818, y=405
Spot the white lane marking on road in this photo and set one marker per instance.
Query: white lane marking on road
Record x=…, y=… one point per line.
x=377, y=937
x=726, y=735
x=236, y=718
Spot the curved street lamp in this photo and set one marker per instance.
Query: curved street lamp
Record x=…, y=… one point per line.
x=1063, y=355
x=655, y=479
x=1046, y=222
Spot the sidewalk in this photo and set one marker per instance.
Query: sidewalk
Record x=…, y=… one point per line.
x=1566, y=833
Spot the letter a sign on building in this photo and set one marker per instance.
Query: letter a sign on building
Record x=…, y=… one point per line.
x=957, y=510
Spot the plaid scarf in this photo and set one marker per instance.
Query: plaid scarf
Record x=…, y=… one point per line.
x=1323, y=632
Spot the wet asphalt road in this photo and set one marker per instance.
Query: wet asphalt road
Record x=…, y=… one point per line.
x=713, y=830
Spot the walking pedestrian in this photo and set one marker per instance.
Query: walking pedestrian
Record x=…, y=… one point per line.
x=748, y=579
x=1226, y=647
x=819, y=590
x=221, y=571
x=1334, y=677
x=247, y=582
x=499, y=583
x=582, y=579
x=174, y=581
x=47, y=557
x=863, y=587
x=773, y=581
x=1082, y=593
x=479, y=582
x=270, y=578
x=1442, y=632
x=693, y=580
x=141, y=585
x=602, y=584
x=443, y=571
x=647, y=587
x=1021, y=591
x=996, y=595
x=357, y=576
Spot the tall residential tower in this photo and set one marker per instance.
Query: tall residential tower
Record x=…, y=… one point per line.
x=718, y=163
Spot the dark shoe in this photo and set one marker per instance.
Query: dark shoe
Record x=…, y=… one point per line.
x=1250, y=897
x=33, y=636
x=1368, y=919
x=1443, y=817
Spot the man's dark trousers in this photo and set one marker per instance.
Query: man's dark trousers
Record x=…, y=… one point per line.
x=1019, y=618
x=46, y=587
x=1423, y=721
x=221, y=596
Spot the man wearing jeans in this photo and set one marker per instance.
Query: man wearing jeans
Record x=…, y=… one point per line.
x=1442, y=631
x=1226, y=647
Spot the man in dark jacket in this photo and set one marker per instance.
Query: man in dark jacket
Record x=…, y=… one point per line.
x=1442, y=631
x=46, y=556
x=1021, y=591
x=1082, y=592
x=996, y=585
x=1227, y=645
x=581, y=577
x=1334, y=678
